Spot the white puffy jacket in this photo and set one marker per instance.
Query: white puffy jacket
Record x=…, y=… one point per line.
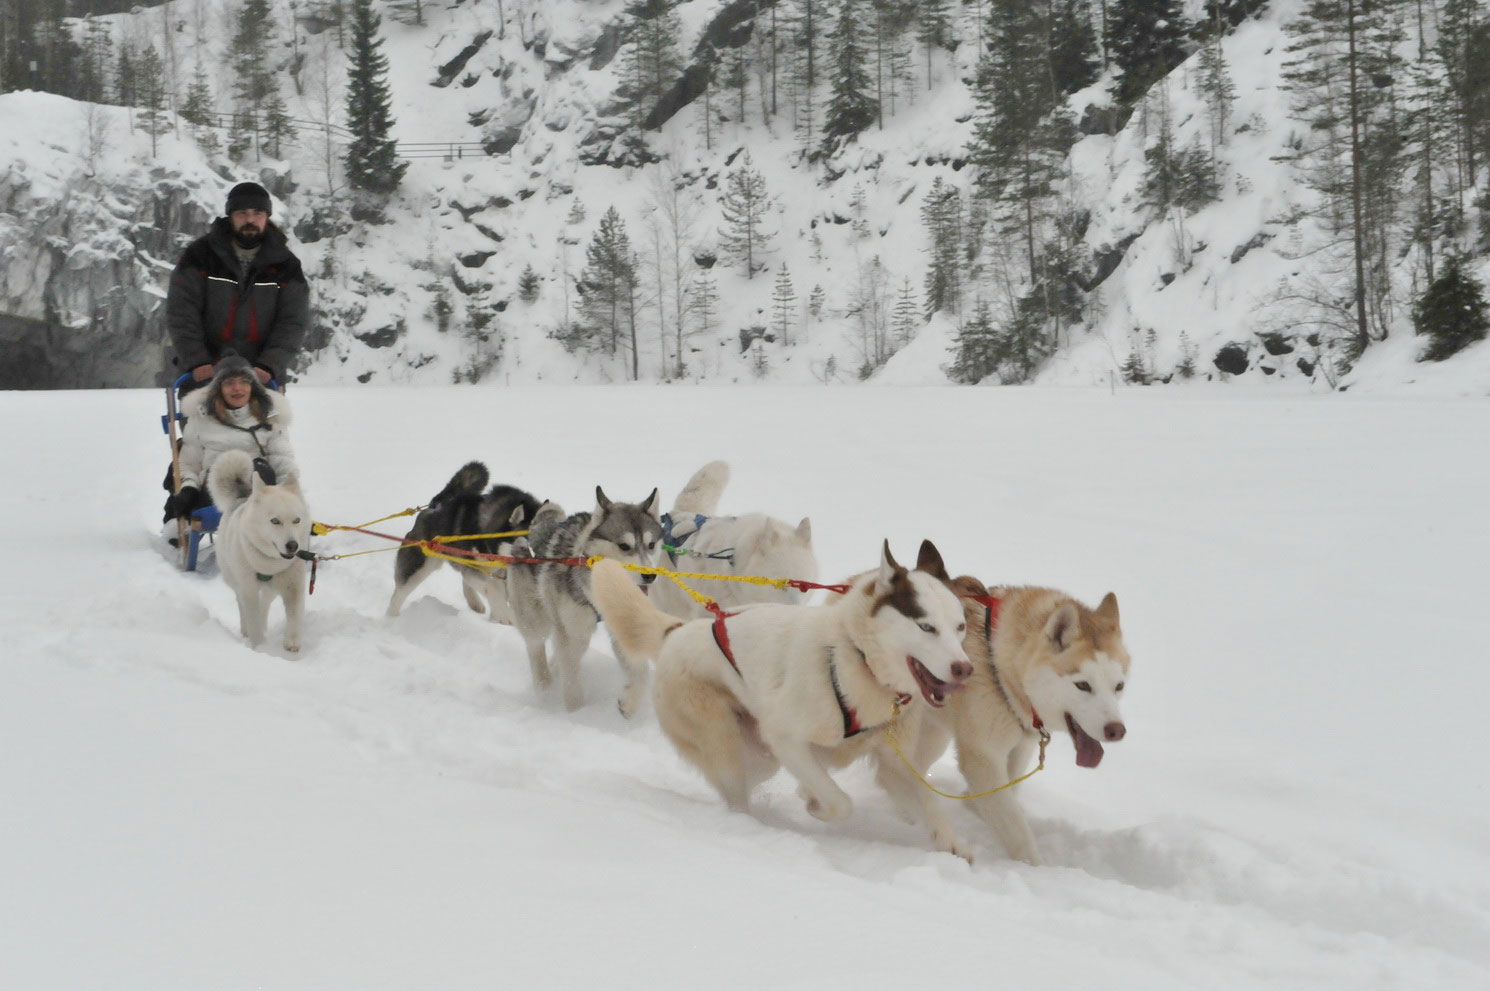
x=206, y=437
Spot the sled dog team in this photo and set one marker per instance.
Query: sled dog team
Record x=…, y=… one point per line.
x=766, y=681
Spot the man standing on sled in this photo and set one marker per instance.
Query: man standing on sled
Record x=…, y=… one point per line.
x=238, y=288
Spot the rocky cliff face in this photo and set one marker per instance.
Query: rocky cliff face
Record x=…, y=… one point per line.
x=86, y=254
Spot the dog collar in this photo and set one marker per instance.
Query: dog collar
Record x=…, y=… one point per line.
x=263, y=578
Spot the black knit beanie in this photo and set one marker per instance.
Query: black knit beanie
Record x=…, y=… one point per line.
x=248, y=196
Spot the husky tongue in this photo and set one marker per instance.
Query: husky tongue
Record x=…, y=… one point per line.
x=1088, y=750
x=933, y=689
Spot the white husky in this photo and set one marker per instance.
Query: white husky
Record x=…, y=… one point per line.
x=801, y=686
x=752, y=544
x=263, y=529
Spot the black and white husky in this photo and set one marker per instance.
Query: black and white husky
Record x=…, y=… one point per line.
x=462, y=508
x=553, y=600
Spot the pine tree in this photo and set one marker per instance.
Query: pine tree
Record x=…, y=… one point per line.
x=1216, y=85
x=784, y=303
x=278, y=128
x=198, y=112
x=1353, y=153
x=373, y=167
x=253, y=80
x=1135, y=372
x=934, y=30
x=1021, y=133
x=815, y=301
x=126, y=91
x=744, y=205
x=759, y=366
x=1186, y=367
x=941, y=213
x=40, y=52
x=703, y=299
x=1073, y=47
x=976, y=352
x=150, y=85
x=653, y=61
x=1452, y=313
x=527, y=285
x=607, y=286
x=1146, y=39
x=851, y=106
x=906, y=319
x=97, y=64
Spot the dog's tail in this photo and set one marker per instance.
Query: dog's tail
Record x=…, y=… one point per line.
x=231, y=480
x=469, y=481
x=638, y=626
x=701, y=494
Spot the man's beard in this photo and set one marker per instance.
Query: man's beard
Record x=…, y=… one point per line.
x=248, y=238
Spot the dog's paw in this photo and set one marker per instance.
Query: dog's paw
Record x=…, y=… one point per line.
x=833, y=810
x=293, y=646
x=951, y=843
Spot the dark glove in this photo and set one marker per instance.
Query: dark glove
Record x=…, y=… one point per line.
x=183, y=502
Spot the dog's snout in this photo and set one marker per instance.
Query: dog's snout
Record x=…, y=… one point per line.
x=961, y=670
x=1114, y=731
x=292, y=546
x=648, y=579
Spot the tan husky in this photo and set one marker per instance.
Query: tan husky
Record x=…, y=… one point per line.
x=1042, y=662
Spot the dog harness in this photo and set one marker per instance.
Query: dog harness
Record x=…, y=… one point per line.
x=991, y=606
x=721, y=635
x=851, y=724
x=673, y=544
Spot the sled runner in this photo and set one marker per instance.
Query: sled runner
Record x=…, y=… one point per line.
x=203, y=520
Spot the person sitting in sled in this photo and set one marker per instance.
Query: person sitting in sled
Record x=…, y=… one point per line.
x=234, y=412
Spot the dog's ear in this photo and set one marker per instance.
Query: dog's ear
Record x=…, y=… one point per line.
x=292, y=483
x=888, y=567
x=804, y=532
x=517, y=516
x=649, y=505
x=1063, y=626
x=968, y=585
x=929, y=560
x=1107, y=612
x=601, y=502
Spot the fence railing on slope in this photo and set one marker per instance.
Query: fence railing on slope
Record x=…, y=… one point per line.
x=448, y=150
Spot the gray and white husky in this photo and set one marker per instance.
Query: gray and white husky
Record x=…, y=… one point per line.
x=263, y=529
x=553, y=600
x=750, y=544
x=461, y=509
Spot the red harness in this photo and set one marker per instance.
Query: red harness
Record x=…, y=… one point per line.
x=991, y=606
x=851, y=724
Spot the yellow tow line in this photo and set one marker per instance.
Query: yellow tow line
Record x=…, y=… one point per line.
x=1044, y=741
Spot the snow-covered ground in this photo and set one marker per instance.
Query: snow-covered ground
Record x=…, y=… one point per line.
x=1299, y=802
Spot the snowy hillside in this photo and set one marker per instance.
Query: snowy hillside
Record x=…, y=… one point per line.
x=1298, y=803
x=432, y=295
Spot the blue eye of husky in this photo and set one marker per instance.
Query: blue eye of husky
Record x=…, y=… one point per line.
x=927, y=628
x=274, y=520
x=1083, y=686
